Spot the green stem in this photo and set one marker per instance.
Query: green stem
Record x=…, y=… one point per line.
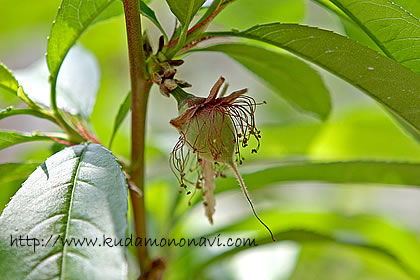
x=139, y=94
x=181, y=96
x=73, y=134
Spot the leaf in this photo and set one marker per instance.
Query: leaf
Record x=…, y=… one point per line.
x=77, y=84
x=73, y=18
x=292, y=78
x=383, y=79
x=364, y=232
x=363, y=172
x=15, y=171
x=395, y=30
x=7, y=81
x=185, y=10
x=245, y=13
x=12, y=175
x=119, y=118
x=77, y=193
x=10, y=111
x=9, y=138
x=150, y=14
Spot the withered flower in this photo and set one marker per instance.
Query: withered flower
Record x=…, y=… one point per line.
x=213, y=129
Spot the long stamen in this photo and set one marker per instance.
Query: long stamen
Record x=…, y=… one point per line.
x=242, y=184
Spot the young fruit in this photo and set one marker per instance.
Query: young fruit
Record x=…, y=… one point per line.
x=213, y=128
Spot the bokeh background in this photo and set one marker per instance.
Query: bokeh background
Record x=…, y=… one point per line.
x=358, y=128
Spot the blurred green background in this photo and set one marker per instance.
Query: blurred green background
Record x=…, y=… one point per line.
x=357, y=129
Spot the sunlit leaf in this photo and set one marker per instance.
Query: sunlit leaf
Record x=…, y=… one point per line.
x=395, y=30
x=77, y=83
x=7, y=81
x=292, y=78
x=185, y=10
x=385, y=80
x=73, y=18
x=77, y=193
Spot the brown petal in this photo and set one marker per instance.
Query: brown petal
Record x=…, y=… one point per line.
x=234, y=95
x=214, y=90
x=209, y=187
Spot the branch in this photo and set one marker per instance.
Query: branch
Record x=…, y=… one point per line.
x=139, y=94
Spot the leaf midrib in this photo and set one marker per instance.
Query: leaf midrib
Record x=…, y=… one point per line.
x=73, y=181
x=83, y=29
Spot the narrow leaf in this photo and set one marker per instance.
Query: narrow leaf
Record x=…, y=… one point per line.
x=119, y=118
x=386, y=81
x=9, y=138
x=73, y=18
x=395, y=30
x=150, y=14
x=367, y=172
x=292, y=78
x=185, y=10
x=10, y=111
x=78, y=194
x=7, y=81
x=365, y=232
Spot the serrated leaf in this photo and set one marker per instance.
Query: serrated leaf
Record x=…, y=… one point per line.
x=77, y=83
x=119, y=118
x=7, y=80
x=77, y=193
x=363, y=172
x=395, y=30
x=73, y=18
x=9, y=137
x=386, y=81
x=185, y=10
x=292, y=78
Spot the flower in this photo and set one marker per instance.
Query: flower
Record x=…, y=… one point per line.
x=213, y=129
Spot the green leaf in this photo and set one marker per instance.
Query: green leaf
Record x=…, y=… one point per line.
x=12, y=175
x=363, y=172
x=73, y=18
x=245, y=13
x=383, y=79
x=185, y=10
x=395, y=30
x=10, y=111
x=119, y=118
x=150, y=14
x=77, y=193
x=292, y=78
x=7, y=81
x=77, y=83
x=365, y=232
x=15, y=171
x=9, y=138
